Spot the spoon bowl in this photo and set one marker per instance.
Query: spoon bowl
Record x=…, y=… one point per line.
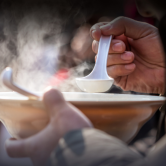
x=94, y=85
x=98, y=80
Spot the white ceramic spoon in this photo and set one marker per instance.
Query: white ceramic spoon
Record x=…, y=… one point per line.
x=7, y=80
x=98, y=80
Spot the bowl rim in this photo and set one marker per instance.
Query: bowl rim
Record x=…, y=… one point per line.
x=136, y=99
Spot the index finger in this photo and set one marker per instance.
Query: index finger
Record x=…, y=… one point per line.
x=28, y=147
x=122, y=25
x=95, y=31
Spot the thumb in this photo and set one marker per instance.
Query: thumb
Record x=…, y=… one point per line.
x=41, y=144
x=53, y=100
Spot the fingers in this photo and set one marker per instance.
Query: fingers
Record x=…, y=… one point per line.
x=117, y=46
x=63, y=118
x=43, y=142
x=120, y=70
x=122, y=25
x=15, y=148
x=118, y=59
x=95, y=31
x=38, y=146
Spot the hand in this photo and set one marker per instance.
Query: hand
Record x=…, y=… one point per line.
x=63, y=118
x=141, y=67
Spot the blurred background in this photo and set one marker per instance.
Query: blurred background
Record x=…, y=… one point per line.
x=47, y=42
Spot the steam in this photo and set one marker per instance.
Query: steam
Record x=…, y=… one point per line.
x=34, y=45
x=37, y=59
x=69, y=84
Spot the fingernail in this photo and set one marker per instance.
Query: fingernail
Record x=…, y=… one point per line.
x=105, y=27
x=93, y=33
x=126, y=56
x=130, y=66
x=117, y=47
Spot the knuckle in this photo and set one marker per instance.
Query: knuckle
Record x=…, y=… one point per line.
x=121, y=18
x=112, y=59
x=112, y=71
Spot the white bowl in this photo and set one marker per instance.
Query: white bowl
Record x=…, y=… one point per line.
x=121, y=115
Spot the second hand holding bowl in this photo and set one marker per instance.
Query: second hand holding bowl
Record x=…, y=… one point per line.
x=98, y=80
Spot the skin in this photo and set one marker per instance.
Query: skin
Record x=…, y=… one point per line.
x=60, y=112
x=138, y=63
x=135, y=61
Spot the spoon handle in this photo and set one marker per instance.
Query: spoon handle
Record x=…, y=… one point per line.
x=101, y=62
x=7, y=80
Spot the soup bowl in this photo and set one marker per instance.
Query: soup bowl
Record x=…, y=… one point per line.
x=121, y=115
